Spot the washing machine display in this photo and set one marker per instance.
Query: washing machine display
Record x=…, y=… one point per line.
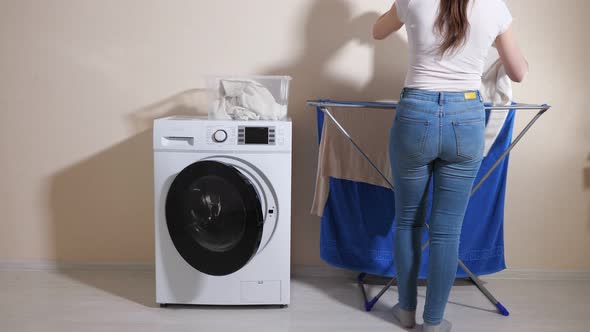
x=256, y=135
x=214, y=217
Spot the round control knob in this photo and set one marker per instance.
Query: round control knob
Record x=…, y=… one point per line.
x=220, y=136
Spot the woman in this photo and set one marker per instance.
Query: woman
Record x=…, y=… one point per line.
x=438, y=134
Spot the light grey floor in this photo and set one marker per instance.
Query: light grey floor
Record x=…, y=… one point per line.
x=123, y=300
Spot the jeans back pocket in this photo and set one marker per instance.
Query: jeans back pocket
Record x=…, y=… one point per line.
x=409, y=136
x=470, y=138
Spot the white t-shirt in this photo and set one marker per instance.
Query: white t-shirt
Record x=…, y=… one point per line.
x=458, y=70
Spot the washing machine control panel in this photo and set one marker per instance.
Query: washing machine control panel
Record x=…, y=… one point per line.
x=246, y=135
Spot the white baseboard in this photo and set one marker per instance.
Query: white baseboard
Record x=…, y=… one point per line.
x=321, y=271
x=60, y=266
x=508, y=274
x=297, y=271
x=538, y=274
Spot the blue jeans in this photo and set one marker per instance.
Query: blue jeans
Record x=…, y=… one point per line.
x=439, y=137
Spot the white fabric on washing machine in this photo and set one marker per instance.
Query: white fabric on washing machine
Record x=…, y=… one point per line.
x=247, y=100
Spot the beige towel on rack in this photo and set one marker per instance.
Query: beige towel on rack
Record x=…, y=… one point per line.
x=338, y=157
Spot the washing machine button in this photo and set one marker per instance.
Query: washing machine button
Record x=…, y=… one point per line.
x=220, y=136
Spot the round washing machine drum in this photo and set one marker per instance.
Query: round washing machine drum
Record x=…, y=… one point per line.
x=215, y=213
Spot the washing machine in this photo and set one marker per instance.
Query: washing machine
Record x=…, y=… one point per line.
x=222, y=211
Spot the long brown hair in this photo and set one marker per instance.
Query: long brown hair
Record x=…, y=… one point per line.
x=452, y=24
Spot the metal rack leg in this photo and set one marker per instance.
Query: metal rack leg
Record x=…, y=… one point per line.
x=370, y=303
x=503, y=311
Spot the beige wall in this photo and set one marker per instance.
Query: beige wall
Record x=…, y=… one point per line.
x=81, y=80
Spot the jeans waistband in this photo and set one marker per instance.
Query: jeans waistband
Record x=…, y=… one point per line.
x=441, y=96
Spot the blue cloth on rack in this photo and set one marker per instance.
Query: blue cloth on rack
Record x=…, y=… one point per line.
x=357, y=224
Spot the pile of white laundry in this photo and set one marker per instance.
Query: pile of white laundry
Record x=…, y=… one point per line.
x=243, y=99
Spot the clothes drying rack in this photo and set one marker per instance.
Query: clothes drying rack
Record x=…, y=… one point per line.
x=325, y=104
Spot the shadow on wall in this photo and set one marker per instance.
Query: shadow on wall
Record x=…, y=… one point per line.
x=189, y=102
x=330, y=27
x=101, y=211
x=102, y=207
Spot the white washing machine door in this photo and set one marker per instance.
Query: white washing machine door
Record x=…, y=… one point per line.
x=220, y=212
